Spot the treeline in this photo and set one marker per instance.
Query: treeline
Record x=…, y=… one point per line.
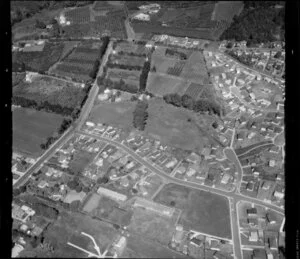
x=123, y=66
x=258, y=23
x=45, y=106
x=244, y=58
x=188, y=102
x=144, y=75
x=140, y=115
x=173, y=52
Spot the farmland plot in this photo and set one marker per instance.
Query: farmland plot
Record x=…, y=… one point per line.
x=195, y=68
x=127, y=60
x=194, y=90
x=78, y=15
x=129, y=47
x=177, y=69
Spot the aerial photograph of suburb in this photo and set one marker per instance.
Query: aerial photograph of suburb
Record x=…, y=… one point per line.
x=148, y=129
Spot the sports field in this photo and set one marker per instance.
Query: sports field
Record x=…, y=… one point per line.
x=31, y=128
x=170, y=125
x=201, y=211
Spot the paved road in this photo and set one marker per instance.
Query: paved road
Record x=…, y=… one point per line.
x=257, y=147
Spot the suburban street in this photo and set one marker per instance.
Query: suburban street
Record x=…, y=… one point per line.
x=234, y=196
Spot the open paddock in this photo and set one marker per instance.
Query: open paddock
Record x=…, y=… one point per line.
x=130, y=77
x=201, y=211
x=170, y=125
x=31, y=128
x=160, y=85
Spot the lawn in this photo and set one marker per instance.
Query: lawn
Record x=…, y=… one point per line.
x=160, y=85
x=117, y=114
x=201, y=211
x=170, y=125
x=31, y=128
x=68, y=228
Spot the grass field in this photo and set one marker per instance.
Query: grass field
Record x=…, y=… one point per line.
x=117, y=114
x=31, y=128
x=55, y=91
x=68, y=228
x=201, y=211
x=160, y=84
x=225, y=11
x=170, y=125
x=138, y=247
x=153, y=226
x=80, y=160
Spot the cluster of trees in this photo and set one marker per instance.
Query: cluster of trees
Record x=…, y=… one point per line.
x=244, y=58
x=40, y=24
x=27, y=103
x=257, y=23
x=75, y=185
x=144, y=75
x=140, y=115
x=119, y=85
x=188, y=102
x=122, y=66
x=64, y=125
x=173, y=52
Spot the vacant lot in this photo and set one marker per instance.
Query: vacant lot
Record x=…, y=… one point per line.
x=160, y=84
x=54, y=91
x=127, y=60
x=68, y=228
x=80, y=160
x=170, y=125
x=130, y=77
x=117, y=114
x=201, y=211
x=31, y=128
x=130, y=47
x=138, y=247
x=153, y=226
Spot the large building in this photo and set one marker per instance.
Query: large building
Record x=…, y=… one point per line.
x=114, y=195
x=158, y=208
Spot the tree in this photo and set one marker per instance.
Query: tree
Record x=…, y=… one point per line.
x=78, y=188
x=72, y=184
x=39, y=24
x=187, y=102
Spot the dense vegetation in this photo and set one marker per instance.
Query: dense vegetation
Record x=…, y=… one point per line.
x=188, y=102
x=258, y=23
x=25, y=9
x=144, y=75
x=140, y=115
x=173, y=52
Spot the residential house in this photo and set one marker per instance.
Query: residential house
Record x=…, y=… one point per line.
x=252, y=212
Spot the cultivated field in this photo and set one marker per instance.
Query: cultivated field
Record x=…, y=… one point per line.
x=31, y=128
x=170, y=125
x=160, y=84
x=201, y=211
x=195, y=69
x=117, y=114
x=40, y=61
x=68, y=228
